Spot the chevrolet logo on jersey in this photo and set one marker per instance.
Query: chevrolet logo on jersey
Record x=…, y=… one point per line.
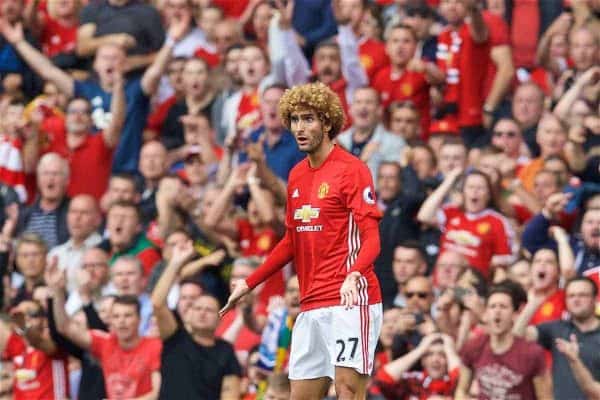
x=306, y=213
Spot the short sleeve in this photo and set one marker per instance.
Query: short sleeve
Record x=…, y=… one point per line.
x=502, y=238
x=546, y=334
x=360, y=192
x=15, y=345
x=232, y=366
x=472, y=349
x=498, y=29
x=444, y=214
x=88, y=14
x=538, y=361
x=156, y=348
x=100, y=340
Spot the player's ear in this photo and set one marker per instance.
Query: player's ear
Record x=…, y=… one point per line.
x=327, y=127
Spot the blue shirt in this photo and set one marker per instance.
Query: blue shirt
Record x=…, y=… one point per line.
x=125, y=158
x=282, y=157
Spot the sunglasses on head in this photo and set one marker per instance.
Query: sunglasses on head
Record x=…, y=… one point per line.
x=421, y=295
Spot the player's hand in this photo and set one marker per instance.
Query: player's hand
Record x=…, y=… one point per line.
x=349, y=290
x=240, y=289
x=569, y=348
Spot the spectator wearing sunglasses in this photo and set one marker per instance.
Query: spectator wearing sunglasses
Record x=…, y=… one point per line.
x=415, y=320
x=508, y=136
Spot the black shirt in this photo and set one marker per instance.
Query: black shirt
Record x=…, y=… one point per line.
x=565, y=385
x=193, y=371
x=140, y=20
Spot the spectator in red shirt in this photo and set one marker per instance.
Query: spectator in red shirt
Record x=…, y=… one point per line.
x=500, y=70
x=130, y=363
x=441, y=368
x=56, y=28
x=371, y=50
x=89, y=155
x=407, y=77
x=545, y=275
x=463, y=54
x=40, y=368
x=475, y=229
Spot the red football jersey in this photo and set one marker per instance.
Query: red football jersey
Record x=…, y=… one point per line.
x=57, y=38
x=499, y=36
x=408, y=86
x=325, y=208
x=478, y=237
x=552, y=309
x=37, y=375
x=372, y=56
x=127, y=372
x=248, y=114
x=465, y=64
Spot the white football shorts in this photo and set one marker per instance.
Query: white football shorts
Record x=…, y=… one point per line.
x=329, y=337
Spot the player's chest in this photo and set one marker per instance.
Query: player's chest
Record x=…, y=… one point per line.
x=316, y=198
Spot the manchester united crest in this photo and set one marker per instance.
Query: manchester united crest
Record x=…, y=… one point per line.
x=323, y=190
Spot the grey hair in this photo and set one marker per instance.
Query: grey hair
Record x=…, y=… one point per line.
x=50, y=157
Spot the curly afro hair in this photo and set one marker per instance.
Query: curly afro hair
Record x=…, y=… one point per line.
x=317, y=97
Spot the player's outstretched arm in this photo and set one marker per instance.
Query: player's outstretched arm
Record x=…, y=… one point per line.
x=282, y=254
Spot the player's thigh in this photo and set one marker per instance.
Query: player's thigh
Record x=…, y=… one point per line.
x=310, y=389
x=354, y=335
x=309, y=354
x=350, y=384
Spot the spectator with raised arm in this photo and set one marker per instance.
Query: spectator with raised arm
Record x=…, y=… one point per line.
x=475, y=229
x=128, y=24
x=194, y=362
x=441, y=368
x=590, y=386
x=40, y=367
x=108, y=64
x=580, y=294
x=130, y=363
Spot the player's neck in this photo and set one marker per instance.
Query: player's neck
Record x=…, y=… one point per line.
x=318, y=157
x=501, y=343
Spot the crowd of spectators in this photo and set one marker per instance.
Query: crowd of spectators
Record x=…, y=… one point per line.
x=143, y=167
